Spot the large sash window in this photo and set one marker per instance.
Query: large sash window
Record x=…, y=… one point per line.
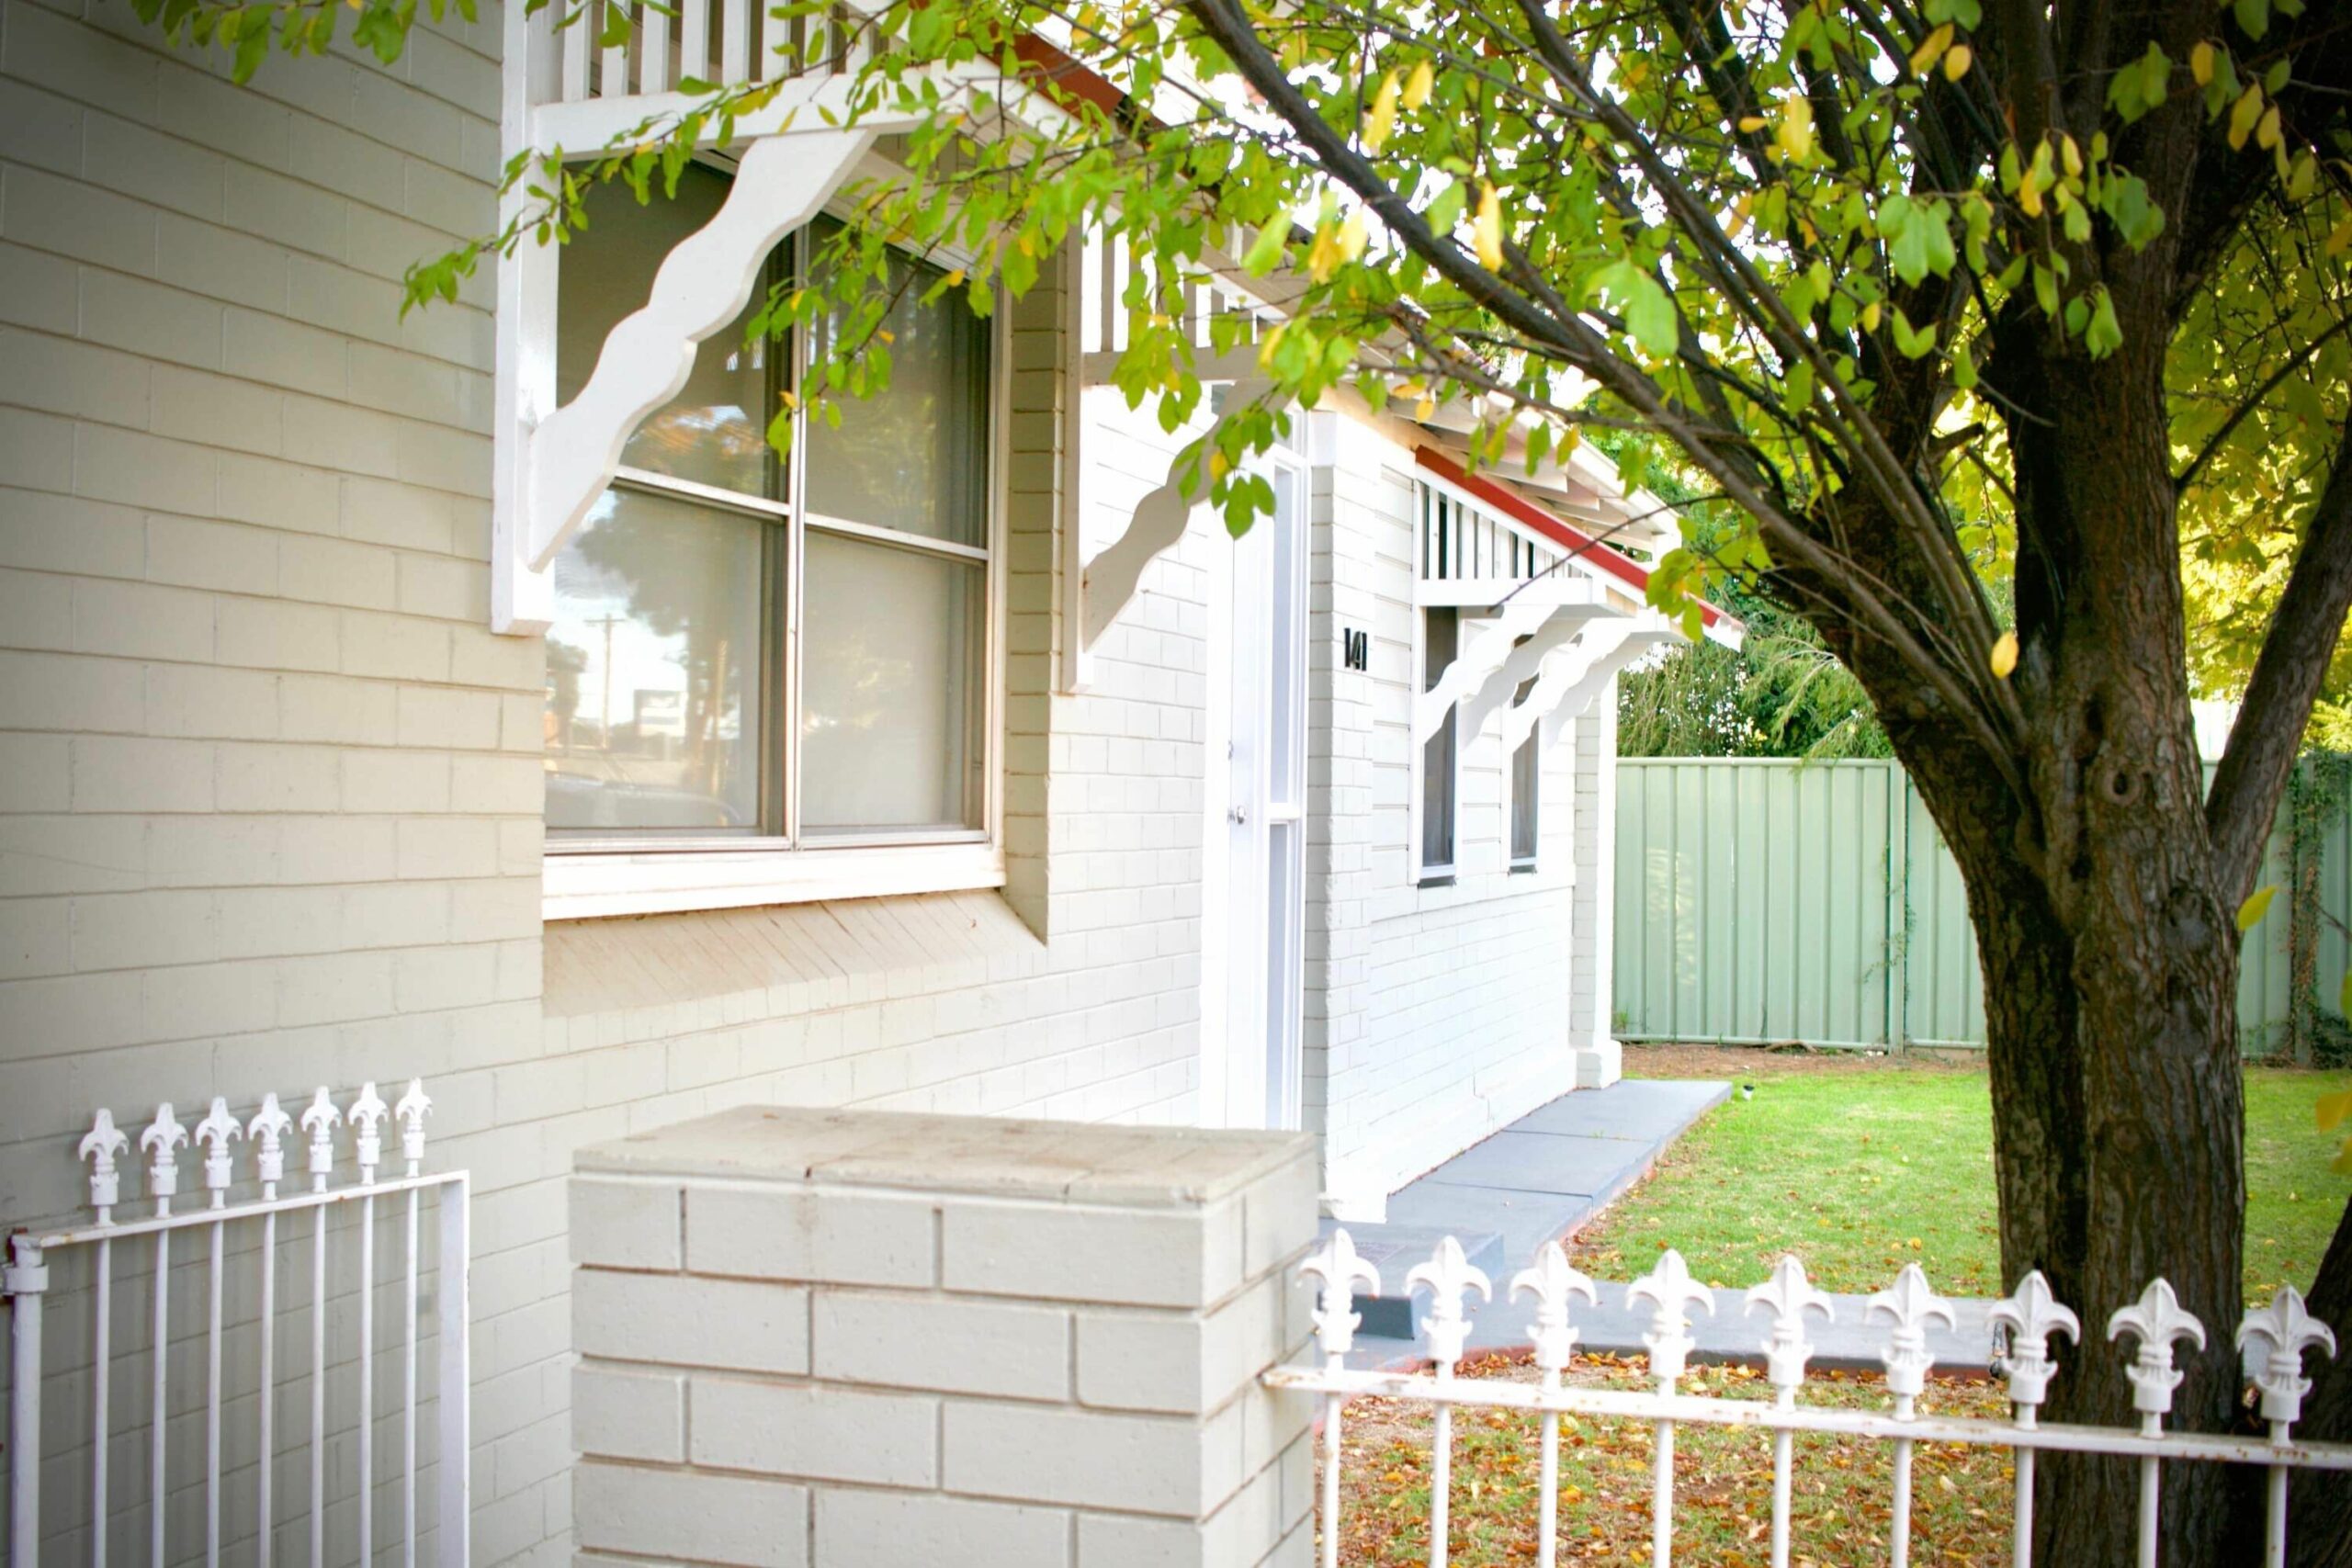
x=750, y=652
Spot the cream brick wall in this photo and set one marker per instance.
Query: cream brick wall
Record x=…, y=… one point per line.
x=268, y=785
x=1013, y=1343
x=1436, y=1015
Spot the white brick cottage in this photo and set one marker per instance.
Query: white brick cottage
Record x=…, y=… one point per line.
x=372, y=704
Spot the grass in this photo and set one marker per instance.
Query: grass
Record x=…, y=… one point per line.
x=1722, y=1481
x=1861, y=1167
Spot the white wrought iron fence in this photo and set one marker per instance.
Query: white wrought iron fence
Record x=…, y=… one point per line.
x=244, y=1256
x=2272, y=1338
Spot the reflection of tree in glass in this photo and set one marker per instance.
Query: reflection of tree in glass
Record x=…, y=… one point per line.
x=565, y=664
x=664, y=556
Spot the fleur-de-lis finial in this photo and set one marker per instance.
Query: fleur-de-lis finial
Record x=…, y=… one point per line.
x=99, y=1145
x=1339, y=1269
x=2031, y=1314
x=410, y=1111
x=215, y=1133
x=1451, y=1277
x=1788, y=1295
x=367, y=1117
x=2285, y=1329
x=164, y=1137
x=1669, y=1288
x=1551, y=1280
x=320, y=1121
x=266, y=1133
x=2156, y=1320
x=1910, y=1304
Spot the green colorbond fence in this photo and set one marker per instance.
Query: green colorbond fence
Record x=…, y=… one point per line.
x=1762, y=901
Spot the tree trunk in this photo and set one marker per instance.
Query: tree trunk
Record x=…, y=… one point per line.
x=2109, y=953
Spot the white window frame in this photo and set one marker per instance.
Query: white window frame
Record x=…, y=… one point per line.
x=620, y=874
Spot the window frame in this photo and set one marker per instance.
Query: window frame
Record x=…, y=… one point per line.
x=1525, y=794
x=621, y=872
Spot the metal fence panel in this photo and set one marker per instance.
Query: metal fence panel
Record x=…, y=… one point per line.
x=1763, y=901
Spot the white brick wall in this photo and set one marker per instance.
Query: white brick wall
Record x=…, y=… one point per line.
x=268, y=808
x=1064, y=1372
x=1436, y=1015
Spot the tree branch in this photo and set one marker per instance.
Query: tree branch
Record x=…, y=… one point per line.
x=2278, y=696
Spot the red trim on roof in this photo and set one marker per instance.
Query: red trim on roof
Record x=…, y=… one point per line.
x=1583, y=544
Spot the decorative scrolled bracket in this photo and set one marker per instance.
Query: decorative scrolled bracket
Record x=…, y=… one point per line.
x=1112, y=577
x=1582, y=684
x=1529, y=660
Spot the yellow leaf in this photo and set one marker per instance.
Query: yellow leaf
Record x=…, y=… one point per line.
x=2004, y=654
x=2265, y=129
x=1933, y=45
x=2243, y=113
x=1419, y=85
x=956, y=278
x=1383, y=118
x=2342, y=1163
x=2332, y=1109
x=2256, y=904
x=1218, y=464
x=1352, y=235
x=2030, y=199
x=2200, y=62
x=1323, y=257
x=1753, y=122
x=1794, y=134
x=1871, y=313
x=2070, y=155
x=2305, y=179
x=1487, y=229
x=1426, y=410
x=1957, y=61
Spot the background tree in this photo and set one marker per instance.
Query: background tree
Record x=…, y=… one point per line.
x=1861, y=265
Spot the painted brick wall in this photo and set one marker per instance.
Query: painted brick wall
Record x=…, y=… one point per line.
x=1443, y=1012
x=269, y=785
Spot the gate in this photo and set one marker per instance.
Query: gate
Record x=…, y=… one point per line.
x=243, y=1325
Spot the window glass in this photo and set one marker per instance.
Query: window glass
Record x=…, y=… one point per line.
x=715, y=432
x=913, y=458
x=1441, y=640
x=655, y=664
x=1526, y=785
x=891, y=694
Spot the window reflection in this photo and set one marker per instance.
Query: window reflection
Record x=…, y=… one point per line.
x=653, y=670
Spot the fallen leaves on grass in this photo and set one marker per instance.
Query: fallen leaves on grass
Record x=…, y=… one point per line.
x=1722, y=1479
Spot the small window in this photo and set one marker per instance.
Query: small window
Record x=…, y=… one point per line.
x=1440, y=641
x=792, y=651
x=1526, y=787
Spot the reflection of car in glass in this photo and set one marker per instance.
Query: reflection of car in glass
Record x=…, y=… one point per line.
x=576, y=802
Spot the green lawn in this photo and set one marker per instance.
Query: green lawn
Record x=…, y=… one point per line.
x=1860, y=1167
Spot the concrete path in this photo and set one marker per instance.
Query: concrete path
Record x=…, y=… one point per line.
x=1544, y=1176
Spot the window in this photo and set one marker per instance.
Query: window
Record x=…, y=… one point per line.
x=1441, y=640
x=1526, y=787
x=762, y=653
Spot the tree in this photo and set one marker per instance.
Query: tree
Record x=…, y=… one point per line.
x=1892, y=280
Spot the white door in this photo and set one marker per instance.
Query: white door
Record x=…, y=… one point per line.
x=1265, y=817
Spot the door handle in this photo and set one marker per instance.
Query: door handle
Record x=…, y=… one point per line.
x=1239, y=817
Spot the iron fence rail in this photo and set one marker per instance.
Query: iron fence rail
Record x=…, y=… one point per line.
x=2272, y=1340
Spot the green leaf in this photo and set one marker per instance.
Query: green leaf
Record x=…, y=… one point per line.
x=2257, y=904
x=1911, y=342
x=1265, y=252
x=2105, y=334
x=2254, y=16
x=1643, y=302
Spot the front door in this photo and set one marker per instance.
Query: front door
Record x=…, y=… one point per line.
x=1265, y=818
